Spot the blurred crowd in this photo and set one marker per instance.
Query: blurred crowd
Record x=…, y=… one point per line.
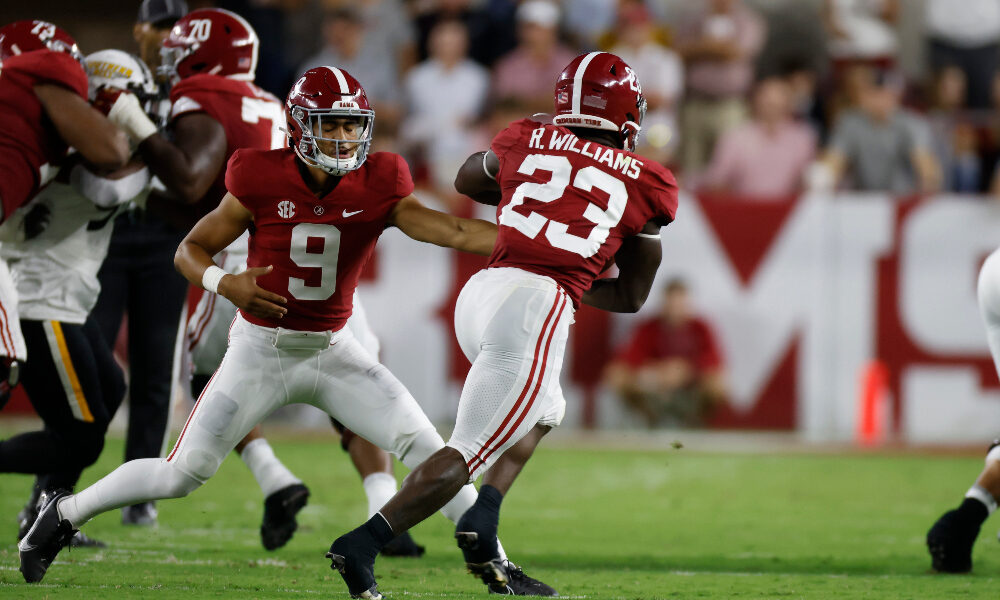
x=831, y=110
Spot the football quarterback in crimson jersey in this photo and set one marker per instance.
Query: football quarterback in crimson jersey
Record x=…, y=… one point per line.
x=211, y=56
x=314, y=212
x=572, y=197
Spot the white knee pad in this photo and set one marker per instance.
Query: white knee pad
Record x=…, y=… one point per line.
x=989, y=289
x=174, y=482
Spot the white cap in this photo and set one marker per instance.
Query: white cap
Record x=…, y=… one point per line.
x=539, y=12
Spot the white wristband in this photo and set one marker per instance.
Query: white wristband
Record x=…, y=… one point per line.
x=211, y=278
x=127, y=114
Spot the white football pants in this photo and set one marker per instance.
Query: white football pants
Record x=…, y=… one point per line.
x=989, y=303
x=513, y=326
x=264, y=369
x=208, y=330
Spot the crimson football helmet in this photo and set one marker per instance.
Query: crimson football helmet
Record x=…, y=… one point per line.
x=213, y=41
x=25, y=36
x=326, y=93
x=599, y=90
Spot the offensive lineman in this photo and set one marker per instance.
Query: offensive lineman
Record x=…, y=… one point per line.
x=315, y=212
x=43, y=111
x=571, y=197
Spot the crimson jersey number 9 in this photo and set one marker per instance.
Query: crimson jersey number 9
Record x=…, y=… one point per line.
x=324, y=260
x=586, y=180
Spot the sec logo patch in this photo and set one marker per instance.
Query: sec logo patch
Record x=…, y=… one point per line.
x=286, y=209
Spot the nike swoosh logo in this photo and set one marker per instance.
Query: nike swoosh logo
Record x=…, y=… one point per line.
x=351, y=214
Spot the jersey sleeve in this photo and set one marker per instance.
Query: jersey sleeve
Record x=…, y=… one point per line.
x=238, y=180
x=184, y=105
x=664, y=195
x=188, y=97
x=514, y=133
x=404, y=180
x=58, y=68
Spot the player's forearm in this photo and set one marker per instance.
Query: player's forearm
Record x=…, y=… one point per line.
x=611, y=295
x=81, y=126
x=191, y=260
x=637, y=260
x=476, y=236
x=178, y=172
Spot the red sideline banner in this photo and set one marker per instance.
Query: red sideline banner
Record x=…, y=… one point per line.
x=803, y=294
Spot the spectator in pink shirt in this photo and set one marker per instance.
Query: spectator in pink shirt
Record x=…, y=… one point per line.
x=526, y=73
x=719, y=45
x=766, y=157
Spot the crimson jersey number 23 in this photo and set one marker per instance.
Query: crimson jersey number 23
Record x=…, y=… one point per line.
x=556, y=233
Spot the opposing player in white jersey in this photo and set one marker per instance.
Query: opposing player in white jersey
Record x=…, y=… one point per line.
x=572, y=197
x=316, y=211
x=952, y=536
x=54, y=247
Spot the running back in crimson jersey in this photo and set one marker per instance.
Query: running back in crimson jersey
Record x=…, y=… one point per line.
x=569, y=203
x=250, y=116
x=31, y=150
x=317, y=246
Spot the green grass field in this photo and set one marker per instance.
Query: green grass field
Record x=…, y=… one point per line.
x=592, y=523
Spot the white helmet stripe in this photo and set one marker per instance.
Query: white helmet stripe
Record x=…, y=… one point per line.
x=578, y=80
x=341, y=80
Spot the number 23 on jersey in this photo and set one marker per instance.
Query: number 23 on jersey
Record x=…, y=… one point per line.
x=585, y=180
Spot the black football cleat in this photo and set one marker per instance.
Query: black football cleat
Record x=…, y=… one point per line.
x=26, y=518
x=358, y=572
x=506, y=578
x=44, y=540
x=403, y=546
x=280, y=508
x=950, y=541
x=500, y=576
